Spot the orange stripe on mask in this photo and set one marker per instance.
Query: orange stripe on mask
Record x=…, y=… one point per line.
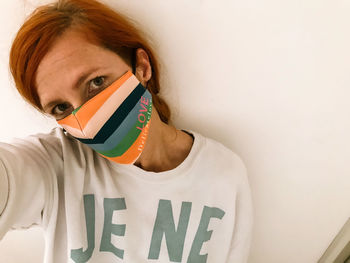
x=70, y=121
x=91, y=108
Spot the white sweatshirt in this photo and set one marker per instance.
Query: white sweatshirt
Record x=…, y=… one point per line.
x=95, y=210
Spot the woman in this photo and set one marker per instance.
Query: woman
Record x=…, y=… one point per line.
x=116, y=182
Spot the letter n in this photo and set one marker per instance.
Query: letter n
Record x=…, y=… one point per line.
x=164, y=224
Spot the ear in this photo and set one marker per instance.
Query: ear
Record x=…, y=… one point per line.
x=143, y=66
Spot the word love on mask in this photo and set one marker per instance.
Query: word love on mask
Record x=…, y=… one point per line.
x=115, y=122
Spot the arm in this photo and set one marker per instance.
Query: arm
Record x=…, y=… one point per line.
x=242, y=235
x=3, y=188
x=28, y=170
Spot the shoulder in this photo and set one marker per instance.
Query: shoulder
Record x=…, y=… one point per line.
x=56, y=141
x=57, y=145
x=54, y=136
x=40, y=142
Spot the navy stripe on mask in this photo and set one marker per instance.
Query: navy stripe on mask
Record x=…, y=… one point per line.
x=118, y=117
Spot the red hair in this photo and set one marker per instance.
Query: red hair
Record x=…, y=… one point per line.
x=48, y=22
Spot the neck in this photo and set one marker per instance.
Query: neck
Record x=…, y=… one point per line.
x=165, y=147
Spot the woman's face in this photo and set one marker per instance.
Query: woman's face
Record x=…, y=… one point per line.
x=73, y=71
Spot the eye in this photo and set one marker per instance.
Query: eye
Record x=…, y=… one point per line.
x=61, y=110
x=97, y=83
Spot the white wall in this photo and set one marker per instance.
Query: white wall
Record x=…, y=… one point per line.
x=268, y=78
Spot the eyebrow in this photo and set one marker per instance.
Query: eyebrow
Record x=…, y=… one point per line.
x=82, y=78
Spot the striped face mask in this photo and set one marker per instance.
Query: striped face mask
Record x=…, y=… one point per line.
x=115, y=122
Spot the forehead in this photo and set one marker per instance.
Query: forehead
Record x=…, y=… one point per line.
x=71, y=55
x=71, y=47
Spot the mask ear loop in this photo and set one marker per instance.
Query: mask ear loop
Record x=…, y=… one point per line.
x=133, y=60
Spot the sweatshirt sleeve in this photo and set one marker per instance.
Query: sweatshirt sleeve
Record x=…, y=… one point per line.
x=28, y=180
x=3, y=187
x=243, y=229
